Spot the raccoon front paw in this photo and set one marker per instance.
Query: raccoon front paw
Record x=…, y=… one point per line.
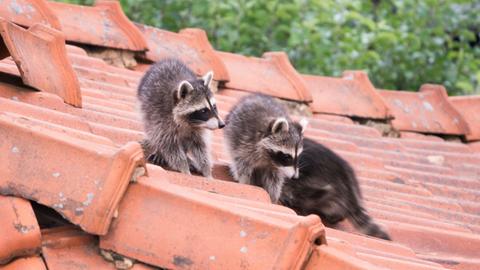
x=207, y=174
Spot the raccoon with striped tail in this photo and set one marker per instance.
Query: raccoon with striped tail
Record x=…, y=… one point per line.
x=263, y=143
x=327, y=186
x=177, y=110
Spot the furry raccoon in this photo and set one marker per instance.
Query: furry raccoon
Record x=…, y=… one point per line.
x=263, y=143
x=177, y=108
x=327, y=186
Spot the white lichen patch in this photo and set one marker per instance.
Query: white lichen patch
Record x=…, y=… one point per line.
x=244, y=249
x=89, y=200
x=15, y=150
x=436, y=159
x=58, y=205
x=56, y=174
x=243, y=234
x=62, y=197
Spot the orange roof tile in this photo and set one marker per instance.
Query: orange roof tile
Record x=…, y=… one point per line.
x=421, y=188
x=27, y=263
x=469, y=107
x=156, y=217
x=47, y=45
x=214, y=186
x=353, y=95
x=190, y=45
x=29, y=12
x=272, y=74
x=427, y=111
x=108, y=26
x=62, y=160
x=70, y=248
x=20, y=234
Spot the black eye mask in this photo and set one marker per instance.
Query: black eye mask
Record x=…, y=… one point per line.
x=201, y=115
x=281, y=158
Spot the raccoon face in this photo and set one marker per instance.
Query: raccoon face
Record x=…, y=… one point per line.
x=283, y=144
x=196, y=105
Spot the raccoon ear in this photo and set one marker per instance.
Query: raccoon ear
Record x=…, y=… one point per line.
x=279, y=125
x=303, y=123
x=207, y=78
x=184, y=87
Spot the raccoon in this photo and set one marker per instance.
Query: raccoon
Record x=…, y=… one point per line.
x=178, y=109
x=263, y=143
x=327, y=186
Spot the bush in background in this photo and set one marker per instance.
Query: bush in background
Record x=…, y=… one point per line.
x=400, y=43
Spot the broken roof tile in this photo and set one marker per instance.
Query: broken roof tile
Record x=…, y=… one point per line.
x=70, y=248
x=155, y=218
x=29, y=12
x=47, y=45
x=272, y=74
x=427, y=111
x=81, y=179
x=353, y=93
x=26, y=263
x=469, y=108
x=107, y=26
x=190, y=45
x=20, y=233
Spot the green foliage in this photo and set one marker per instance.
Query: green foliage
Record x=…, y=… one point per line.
x=400, y=43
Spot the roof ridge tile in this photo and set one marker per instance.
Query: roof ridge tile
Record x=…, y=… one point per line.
x=112, y=27
x=425, y=111
x=354, y=87
x=272, y=74
x=29, y=12
x=191, y=45
x=58, y=77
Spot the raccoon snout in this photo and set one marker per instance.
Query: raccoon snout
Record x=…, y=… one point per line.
x=221, y=124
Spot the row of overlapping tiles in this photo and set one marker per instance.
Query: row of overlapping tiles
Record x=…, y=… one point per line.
x=390, y=169
x=406, y=181
x=429, y=111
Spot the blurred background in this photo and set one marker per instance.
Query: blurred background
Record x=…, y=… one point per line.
x=400, y=43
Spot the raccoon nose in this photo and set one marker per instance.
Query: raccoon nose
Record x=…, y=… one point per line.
x=221, y=124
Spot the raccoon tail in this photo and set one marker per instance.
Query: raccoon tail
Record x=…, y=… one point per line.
x=364, y=223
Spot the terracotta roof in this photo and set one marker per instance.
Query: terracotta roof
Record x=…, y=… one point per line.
x=83, y=161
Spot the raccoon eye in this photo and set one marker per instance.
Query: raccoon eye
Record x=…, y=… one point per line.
x=285, y=157
x=282, y=158
x=205, y=110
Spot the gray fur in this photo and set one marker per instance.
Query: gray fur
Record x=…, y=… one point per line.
x=169, y=93
x=257, y=125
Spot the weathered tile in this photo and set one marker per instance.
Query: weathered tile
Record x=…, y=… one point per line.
x=469, y=108
x=353, y=93
x=272, y=75
x=190, y=45
x=80, y=179
x=20, y=234
x=48, y=46
x=428, y=110
x=107, y=25
x=70, y=248
x=28, y=12
x=164, y=224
